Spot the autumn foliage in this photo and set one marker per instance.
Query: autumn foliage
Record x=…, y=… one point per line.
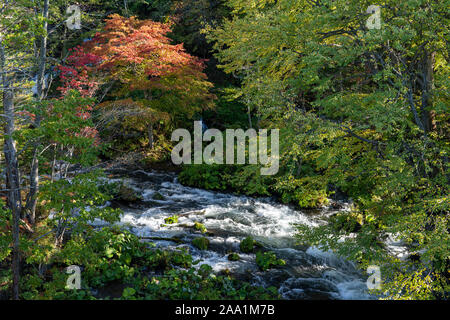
x=131, y=55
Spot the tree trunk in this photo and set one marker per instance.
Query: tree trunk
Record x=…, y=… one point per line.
x=150, y=135
x=42, y=55
x=125, y=6
x=249, y=114
x=40, y=86
x=13, y=186
x=428, y=115
x=34, y=187
x=12, y=170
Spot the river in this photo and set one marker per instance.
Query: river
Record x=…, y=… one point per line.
x=309, y=273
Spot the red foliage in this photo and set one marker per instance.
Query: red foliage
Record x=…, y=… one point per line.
x=135, y=52
x=139, y=56
x=89, y=132
x=76, y=74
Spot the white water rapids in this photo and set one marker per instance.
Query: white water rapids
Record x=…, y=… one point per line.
x=308, y=274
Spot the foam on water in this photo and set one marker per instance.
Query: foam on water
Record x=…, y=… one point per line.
x=397, y=247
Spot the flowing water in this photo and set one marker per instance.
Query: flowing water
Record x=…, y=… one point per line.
x=308, y=274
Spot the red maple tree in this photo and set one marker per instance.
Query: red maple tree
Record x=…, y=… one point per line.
x=136, y=56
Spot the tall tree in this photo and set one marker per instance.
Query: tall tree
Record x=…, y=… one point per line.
x=40, y=94
x=16, y=39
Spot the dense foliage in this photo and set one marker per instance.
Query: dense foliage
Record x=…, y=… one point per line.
x=117, y=265
x=363, y=115
x=363, y=112
x=140, y=78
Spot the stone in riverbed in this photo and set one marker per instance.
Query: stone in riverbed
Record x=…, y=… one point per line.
x=128, y=194
x=158, y=196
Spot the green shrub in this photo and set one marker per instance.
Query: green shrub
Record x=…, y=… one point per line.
x=211, y=177
x=234, y=257
x=128, y=293
x=158, y=196
x=201, y=243
x=164, y=259
x=248, y=245
x=268, y=260
x=171, y=220
x=110, y=255
x=200, y=227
